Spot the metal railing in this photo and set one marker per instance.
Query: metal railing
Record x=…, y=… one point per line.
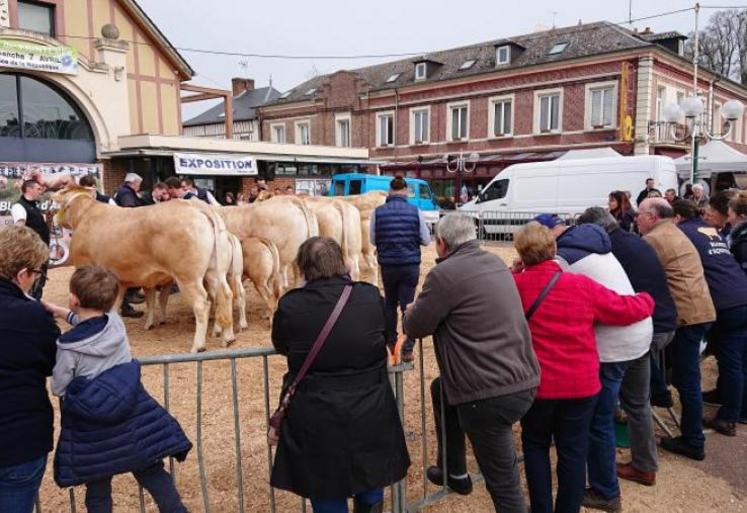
x=502, y=225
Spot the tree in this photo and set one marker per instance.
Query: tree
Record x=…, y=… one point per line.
x=723, y=44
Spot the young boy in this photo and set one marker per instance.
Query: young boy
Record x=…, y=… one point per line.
x=110, y=425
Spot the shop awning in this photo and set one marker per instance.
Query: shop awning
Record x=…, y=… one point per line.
x=713, y=157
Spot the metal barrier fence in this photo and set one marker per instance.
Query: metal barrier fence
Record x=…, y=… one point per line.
x=398, y=499
x=501, y=225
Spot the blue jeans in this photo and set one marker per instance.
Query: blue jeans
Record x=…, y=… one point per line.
x=19, y=485
x=730, y=334
x=567, y=422
x=155, y=479
x=686, y=379
x=340, y=505
x=400, y=282
x=601, y=459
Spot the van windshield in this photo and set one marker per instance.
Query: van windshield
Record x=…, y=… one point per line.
x=425, y=192
x=339, y=188
x=494, y=191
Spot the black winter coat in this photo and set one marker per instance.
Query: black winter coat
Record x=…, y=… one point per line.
x=739, y=244
x=27, y=353
x=342, y=433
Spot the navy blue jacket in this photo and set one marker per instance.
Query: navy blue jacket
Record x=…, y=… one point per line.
x=739, y=244
x=726, y=280
x=27, y=353
x=102, y=198
x=583, y=240
x=127, y=197
x=397, y=232
x=110, y=425
x=646, y=274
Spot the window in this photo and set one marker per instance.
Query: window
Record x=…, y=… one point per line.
x=467, y=64
x=600, y=105
x=310, y=91
x=661, y=96
x=459, y=122
x=420, y=125
x=496, y=190
x=36, y=17
x=278, y=133
x=385, y=129
x=420, y=71
x=425, y=192
x=502, y=55
x=501, y=116
x=717, y=123
x=680, y=97
x=339, y=188
x=547, y=112
x=558, y=48
x=303, y=132
x=355, y=187
x=393, y=78
x=342, y=130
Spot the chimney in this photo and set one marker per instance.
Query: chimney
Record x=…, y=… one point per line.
x=239, y=85
x=647, y=32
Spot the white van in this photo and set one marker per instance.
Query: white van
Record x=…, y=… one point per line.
x=564, y=187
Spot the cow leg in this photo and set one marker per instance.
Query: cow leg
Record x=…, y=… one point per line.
x=194, y=293
x=120, y=298
x=353, y=265
x=223, y=298
x=163, y=301
x=373, y=268
x=239, y=295
x=265, y=292
x=150, y=307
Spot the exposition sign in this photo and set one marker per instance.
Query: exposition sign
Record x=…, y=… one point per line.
x=214, y=164
x=51, y=59
x=53, y=177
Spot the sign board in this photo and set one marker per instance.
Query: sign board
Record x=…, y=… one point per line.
x=29, y=56
x=214, y=164
x=53, y=177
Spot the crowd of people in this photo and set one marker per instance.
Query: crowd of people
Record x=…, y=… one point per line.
x=573, y=331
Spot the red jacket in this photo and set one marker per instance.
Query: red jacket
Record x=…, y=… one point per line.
x=563, y=327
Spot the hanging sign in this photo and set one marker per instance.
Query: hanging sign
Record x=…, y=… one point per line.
x=51, y=59
x=217, y=164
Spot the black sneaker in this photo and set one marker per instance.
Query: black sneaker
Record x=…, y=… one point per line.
x=128, y=311
x=712, y=397
x=594, y=500
x=680, y=446
x=462, y=486
x=663, y=400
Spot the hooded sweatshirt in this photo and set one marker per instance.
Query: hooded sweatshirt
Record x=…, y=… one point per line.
x=586, y=249
x=90, y=348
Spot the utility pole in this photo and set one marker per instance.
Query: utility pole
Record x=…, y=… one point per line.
x=696, y=56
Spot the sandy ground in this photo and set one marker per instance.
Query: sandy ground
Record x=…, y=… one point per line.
x=717, y=484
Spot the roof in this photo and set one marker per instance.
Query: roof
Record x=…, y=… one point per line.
x=661, y=36
x=243, y=107
x=713, y=157
x=583, y=41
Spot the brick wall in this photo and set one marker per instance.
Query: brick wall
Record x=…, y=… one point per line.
x=113, y=175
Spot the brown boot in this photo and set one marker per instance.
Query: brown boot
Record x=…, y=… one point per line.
x=628, y=472
x=722, y=426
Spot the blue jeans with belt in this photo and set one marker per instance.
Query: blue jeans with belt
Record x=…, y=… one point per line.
x=340, y=505
x=19, y=485
x=730, y=334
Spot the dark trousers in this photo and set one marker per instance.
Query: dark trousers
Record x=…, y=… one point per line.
x=368, y=498
x=37, y=289
x=660, y=347
x=155, y=479
x=400, y=282
x=686, y=379
x=566, y=421
x=456, y=462
x=729, y=333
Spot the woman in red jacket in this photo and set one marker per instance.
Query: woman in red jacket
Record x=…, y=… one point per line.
x=561, y=309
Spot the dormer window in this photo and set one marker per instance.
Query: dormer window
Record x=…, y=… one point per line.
x=421, y=71
x=286, y=94
x=467, y=64
x=310, y=91
x=502, y=55
x=393, y=78
x=558, y=48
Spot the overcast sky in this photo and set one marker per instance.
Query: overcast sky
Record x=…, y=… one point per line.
x=347, y=27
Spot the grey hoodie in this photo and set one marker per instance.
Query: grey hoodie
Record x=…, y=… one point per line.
x=90, y=348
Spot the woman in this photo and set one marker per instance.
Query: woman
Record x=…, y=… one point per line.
x=241, y=199
x=228, y=200
x=717, y=212
x=621, y=209
x=342, y=435
x=562, y=327
x=738, y=244
x=27, y=355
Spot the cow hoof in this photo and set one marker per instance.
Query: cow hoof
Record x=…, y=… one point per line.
x=198, y=350
x=228, y=343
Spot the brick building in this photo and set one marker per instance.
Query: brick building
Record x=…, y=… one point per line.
x=519, y=99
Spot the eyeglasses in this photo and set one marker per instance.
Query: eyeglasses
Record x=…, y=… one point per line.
x=40, y=272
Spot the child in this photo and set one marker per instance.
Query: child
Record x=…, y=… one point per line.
x=110, y=425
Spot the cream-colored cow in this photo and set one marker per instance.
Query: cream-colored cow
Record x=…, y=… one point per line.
x=366, y=204
x=262, y=268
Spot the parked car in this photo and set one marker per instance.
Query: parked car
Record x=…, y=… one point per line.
x=418, y=191
x=563, y=187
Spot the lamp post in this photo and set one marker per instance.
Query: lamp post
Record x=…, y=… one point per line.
x=459, y=165
x=691, y=112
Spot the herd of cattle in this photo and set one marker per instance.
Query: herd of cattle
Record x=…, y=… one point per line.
x=209, y=251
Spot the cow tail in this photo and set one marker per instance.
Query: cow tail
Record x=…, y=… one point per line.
x=311, y=221
x=224, y=306
x=276, y=281
x=344, y=236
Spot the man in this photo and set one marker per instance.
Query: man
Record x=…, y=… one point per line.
x=290, y=191
x=489, y=372
x=192, y=191
x=645, y=192
x=670, y=195
x=727, y=284
x=175, y=188
x=398, y=229
x=128, y=196
x=700, y=198
x=89, y=182
x=253, y=194
x=695, y=313
x=160, y=193
x=586, y=249
x=646, y=274
x=27, y=212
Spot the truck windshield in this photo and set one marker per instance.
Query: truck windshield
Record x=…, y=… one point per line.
x=355, y=187
x=339, y=189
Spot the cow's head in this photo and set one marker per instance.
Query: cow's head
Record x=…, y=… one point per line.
x=65, y=198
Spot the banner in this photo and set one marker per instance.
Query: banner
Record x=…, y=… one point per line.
x=214, y=164
x=53, y=177
x=51, y=59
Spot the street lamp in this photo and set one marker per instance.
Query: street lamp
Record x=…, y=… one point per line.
x=459, y=165
x=690, y=111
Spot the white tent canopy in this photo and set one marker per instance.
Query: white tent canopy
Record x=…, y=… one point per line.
x=713, y=157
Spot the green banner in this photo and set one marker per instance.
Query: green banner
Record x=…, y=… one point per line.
x=29, y=56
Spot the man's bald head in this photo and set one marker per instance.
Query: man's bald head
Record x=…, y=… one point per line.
x=651, y=212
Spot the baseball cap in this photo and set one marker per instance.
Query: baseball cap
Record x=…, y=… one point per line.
x=549, y=220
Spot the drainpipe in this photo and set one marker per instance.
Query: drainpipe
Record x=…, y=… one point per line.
x=710, y=103
x=396, y=113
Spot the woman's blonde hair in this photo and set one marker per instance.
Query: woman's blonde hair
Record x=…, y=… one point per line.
x=20, y=248
x=535, y=244
x=739, y=204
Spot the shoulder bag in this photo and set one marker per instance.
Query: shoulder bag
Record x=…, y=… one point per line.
x=542, y=295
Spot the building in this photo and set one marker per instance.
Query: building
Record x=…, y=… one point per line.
x=246, y=99
x=518, y=99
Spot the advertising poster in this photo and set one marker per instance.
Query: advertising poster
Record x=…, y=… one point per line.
x=51, y=59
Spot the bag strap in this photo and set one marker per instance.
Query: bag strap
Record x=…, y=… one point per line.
x=322, y=337
x=542, y=295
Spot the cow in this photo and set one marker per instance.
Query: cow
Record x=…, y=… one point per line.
x=262, y=268
x=366, y=204
x=152, y=246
